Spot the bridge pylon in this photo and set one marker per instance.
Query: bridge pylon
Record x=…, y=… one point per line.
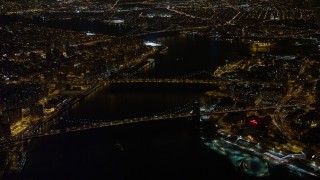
x=196, y=114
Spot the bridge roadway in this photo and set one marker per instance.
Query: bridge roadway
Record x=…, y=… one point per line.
x=192, y=81
x=166, y=30
x=169, y=81
x=108, y=123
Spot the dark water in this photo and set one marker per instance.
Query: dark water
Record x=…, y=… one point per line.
x=74, y=24
x=158, y=150
x=120, y=105
x=78, y=24
x=189, y=54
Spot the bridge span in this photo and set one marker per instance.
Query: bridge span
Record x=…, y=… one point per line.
x=167, y=81
x=67, y=127
x=104, y=123
x=215, y=81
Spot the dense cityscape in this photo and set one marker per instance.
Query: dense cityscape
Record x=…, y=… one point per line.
x=253, y=67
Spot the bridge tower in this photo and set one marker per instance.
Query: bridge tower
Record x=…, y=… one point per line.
x=62, y=125
x=196, y=114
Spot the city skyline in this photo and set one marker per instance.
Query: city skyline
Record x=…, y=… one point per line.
x=243, y=74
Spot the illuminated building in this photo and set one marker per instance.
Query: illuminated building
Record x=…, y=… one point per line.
x=258, y=126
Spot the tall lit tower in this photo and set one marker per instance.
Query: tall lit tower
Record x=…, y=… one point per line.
x=169, y=4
